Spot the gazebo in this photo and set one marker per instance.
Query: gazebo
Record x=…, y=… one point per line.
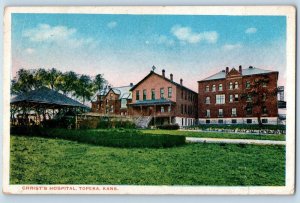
x=42, y=104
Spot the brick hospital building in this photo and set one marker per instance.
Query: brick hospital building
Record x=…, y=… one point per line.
x=227, y=97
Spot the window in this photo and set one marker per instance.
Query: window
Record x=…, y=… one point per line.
x=153, y=94
x=207, y=88
x=162, y=93
x=169, y=109
x=220, y=121
x=181, y=108
x=181, y=94
x=264, y=84
x=207, y=113
x=233, y=121
x=144, y=94
x=249, y=98
x=137, y=95
x=236, y=85
x=207, y=100
x=236, y=97
x=249, y=110
x=214, y=88
x=264, y=110
x=169, y=92
x=220, y=113
x=264, y=96
x=185, y=109
x=220, y=99
x=231, y=98
x=248, y=84
x=207, y=121
x=249, y=121
x=230, y=86
x=233, y=112
x=123, y=103
x=264, y=120
x=162, y=109
x=111, y=108
x=220, y=87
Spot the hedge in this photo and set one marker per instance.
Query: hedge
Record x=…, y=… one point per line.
x=111, y=138
x=239, y=126
x=169, y=127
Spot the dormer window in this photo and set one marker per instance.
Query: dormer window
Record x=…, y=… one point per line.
x=220, y=87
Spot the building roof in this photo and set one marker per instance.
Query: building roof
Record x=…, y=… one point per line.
x=245, y=72
x=152, y=102
x=165, y=78
x=124, y=92
x=46, y=96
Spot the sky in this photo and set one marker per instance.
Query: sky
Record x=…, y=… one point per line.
x=125, y=47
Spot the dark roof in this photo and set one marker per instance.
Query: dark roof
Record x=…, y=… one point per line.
x=245, y=72
x=167, y=79
x=46, y=96
x=152, y=102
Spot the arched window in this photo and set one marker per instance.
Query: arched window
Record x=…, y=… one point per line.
x=207, y=100
x=236, y=85
x=230, y=86
x=214, y=88
x=220, y=87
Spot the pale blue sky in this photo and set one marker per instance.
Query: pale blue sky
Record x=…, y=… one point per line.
x=124, y=47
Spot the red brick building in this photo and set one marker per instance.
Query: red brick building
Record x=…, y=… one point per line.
x=163, y=101
x=238, y=97
x=113, y=101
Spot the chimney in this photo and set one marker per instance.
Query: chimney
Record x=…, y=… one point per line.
x=181, y=81
x=227, y=70
x=171, y=77
x=163, y=72
x=240, y=69
x=131, y=84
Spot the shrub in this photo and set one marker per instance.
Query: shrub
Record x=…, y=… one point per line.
x=242, y=126
x=111, y=138
x=169, y=127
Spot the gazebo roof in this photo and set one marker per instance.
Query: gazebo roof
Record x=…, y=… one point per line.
x=46, y=97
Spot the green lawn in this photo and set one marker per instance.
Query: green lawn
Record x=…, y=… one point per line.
x=37, y=160
x=217, y=135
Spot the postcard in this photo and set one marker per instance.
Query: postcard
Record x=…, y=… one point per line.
x=153, y=100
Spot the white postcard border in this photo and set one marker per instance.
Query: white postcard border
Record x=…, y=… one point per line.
x=288, y=11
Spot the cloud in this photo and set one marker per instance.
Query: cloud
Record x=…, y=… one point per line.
x=61, y=35
x=162, y=39
x=112, y=24
x=229, y=47
x=45, y=32
x=185, y=34
x=29, y=50
x=251, y=30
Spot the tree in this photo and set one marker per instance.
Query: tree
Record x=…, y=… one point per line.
x=99, y=82
x=84, y=88
x=255, y=96
x=24, y=82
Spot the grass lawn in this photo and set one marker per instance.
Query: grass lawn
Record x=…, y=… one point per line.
x=37, y=160
x=217, y=135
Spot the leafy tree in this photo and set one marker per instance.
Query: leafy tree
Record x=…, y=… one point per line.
x=255, y=96
x=99, y=82
x=24, y=82
x=84, y=88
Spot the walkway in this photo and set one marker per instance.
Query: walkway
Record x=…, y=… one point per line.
x=234, y=141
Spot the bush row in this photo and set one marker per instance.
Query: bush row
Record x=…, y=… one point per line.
x=239, y=126
x=105, y=124
x=168, y=127
x=111, y=138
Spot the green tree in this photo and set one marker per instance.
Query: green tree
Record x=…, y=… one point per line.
x=24, y=82
x=84, y=88
x=99, y=82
